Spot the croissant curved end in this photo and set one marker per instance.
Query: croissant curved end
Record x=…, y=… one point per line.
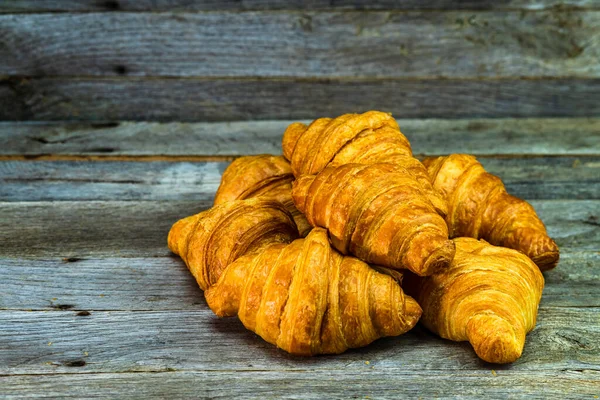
x=290, y=138
x=413, y=312
x=547, y=256
x=439, y=259
x=300, y=189
x=494, y=339
x=176, y=233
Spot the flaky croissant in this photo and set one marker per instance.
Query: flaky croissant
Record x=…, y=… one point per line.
x=211, y=240
x=489, y=296
x=307, y=299
x=377, y=213
x=369, y=138
x=480, y=207
x=266, y=176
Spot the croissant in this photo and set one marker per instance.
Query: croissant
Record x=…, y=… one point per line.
x=489, y=296
x=369, y=138
x=480, y=207
x=307, y=299
x=211, y=240
x=377, y=213
x=265, y=176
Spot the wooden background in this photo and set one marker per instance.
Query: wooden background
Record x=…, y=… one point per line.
x=118, y=117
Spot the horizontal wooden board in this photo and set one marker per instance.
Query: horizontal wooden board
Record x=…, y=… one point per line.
x=164, y=283
x=370, y=384
x=82, y=180
x=82, y=229
x=529, y=178
x=139, y=228
x=51, y=342
x=247, y=99
x=428, y=137
x=309, y=45
x=235, y=5
x=79, y=284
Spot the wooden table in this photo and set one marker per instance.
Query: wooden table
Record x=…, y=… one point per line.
x=93, y=303
x=131, y=109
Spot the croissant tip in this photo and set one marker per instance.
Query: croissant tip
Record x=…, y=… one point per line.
x=439, y=259
x=494, y=339
x=174, y=236
x=413, y=311
x=548, y=259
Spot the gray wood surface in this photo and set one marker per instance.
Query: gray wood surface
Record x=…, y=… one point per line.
x=309, y=45
x=84, y=229
x=235, y=5
x=50, y=342
x=525, y=136
x=139, y=228
x=164, y=283
x=336, y=384
x=248, y=99
x=133, y=110
x=529, y=178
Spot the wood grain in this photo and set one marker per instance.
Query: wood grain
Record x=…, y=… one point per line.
x=79, y=284
x=309, y=45
x=523, y=136
x=84, y=229
x=234, y=5
x=51, y=342
x=566, y=384
x=529, y=178
x=111, y=229
x=164, y=283
x=248, y=99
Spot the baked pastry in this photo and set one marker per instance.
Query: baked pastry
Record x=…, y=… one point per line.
x=211, y=240
x=307, y=299
x=480, y=207
x=378, y=213
x=369, y=138
x=489, y=296
x=265, y=176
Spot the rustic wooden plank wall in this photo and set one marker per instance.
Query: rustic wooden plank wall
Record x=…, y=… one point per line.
x=118, y=117
x=455, y=60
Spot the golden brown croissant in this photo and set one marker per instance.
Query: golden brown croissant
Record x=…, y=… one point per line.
x=378, y=213
x=308, y=299
x=489, y=296
x=265, y=176
x=480, y=207
x=369, y=138
x=211, y=240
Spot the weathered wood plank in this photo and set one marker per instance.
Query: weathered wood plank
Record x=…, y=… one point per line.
x=574, y=282
x=431, y=136
x=8, y=6
x=163, y=283
x=337, y=384
x=63, y=342
x=321, y=45
x=76, y=229
x=81, y=180
x=529, y=178
x=248, y=99
x=139, y=228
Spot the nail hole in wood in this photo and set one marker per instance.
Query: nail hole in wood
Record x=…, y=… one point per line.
x=121, y=69
x=71, y=259
x=62, y=306
x=83, y=314
x=74, y=363
x=111, y=5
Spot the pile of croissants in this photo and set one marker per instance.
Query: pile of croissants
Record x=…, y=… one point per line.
x=348, y=238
